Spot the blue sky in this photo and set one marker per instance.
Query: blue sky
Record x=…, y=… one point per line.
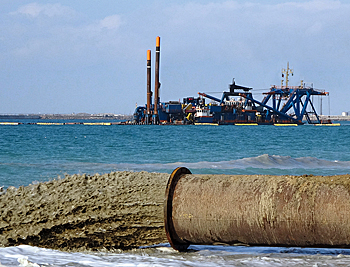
x=90, y=56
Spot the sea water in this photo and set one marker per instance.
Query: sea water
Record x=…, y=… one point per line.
x=37, y=153
x=163, y=255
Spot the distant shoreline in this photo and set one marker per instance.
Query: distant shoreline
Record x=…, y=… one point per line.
x=109, y=116
x=334, y=117
x=78, y=116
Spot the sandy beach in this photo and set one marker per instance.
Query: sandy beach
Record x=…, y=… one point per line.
x=119, y=210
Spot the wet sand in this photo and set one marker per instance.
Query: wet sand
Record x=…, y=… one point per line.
x=119, y=210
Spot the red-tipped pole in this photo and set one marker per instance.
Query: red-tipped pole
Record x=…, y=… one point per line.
x=157, y=84
x=149, y=91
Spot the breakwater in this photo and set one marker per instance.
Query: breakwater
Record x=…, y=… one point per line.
x=331, y=117
x=63, y=123
x=78, y=116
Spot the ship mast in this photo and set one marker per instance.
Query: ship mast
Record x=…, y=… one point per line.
x=286, y=72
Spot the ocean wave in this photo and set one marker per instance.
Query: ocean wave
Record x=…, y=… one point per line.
x=261, y=162
x=163, y=255
x=264, y=161
x=26, y=173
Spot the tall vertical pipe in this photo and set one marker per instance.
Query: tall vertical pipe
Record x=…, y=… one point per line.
x=157, y=84
x=149, y=92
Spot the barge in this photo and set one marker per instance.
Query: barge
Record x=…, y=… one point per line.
x=282, y=105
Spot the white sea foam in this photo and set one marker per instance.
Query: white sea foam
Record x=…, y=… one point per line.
x=26, y=263
x=163, y=255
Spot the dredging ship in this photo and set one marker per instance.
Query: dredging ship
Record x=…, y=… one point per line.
x=282, y=105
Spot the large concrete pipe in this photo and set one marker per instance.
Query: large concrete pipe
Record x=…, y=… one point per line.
x=306, y=211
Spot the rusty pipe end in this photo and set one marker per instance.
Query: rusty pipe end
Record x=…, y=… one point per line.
x=174, y=240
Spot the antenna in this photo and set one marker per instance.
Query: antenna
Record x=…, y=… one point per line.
x=286, y=72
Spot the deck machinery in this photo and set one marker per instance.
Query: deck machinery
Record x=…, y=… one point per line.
x=281, y=105
x=295, y=99
x=289, y=105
